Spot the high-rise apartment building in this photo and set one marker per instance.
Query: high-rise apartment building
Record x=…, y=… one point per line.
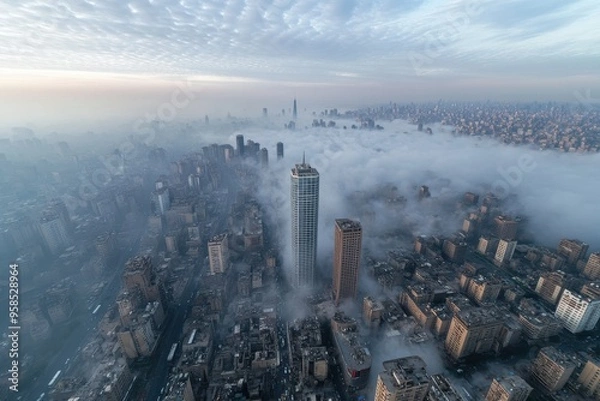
x=161, y=200
x=590, y=379
x=578, y=313
x=480, y=288
x=592, y=267
x=305, y=221
x=279, y=150
x=470, y=198
x=487, y=245
x=404, y=379
x=106, y=245
x=454, y=250
x=139, y=275
x=551, y=369
x=511, y=388
x=218, y=254
x=506, y=228
x=473, y=331
x=550, y=285
x=505, y=251
x=536, y=323
x=372, y=312
x=591, y=290
x=353, y=356
x=572, y=250
x=346, y=258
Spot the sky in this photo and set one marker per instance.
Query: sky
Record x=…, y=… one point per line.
x=97, y=60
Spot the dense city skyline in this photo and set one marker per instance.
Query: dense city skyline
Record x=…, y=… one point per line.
x=182, y=249
x=429, y=234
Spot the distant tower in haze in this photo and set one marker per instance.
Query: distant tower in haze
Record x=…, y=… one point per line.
x=239, y=144
x=424, y=192
x=346, y=258
x=305, y=218
x=206, y=119
x=279, y=150
x=264, y=158
x=295, y=109
x=265, y=112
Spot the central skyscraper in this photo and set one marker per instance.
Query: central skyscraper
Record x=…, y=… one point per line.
x=305, y=218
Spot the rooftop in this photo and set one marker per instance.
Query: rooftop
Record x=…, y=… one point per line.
x=305, y=170
x=479, y=316
x=511, y=383
x=404, y=372
x=347, y=224
x=355, y=354
x=558, y=357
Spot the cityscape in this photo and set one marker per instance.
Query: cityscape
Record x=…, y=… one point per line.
x=189, y=279
x=298, y=200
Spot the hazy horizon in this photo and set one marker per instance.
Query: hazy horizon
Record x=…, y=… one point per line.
x=86, y=63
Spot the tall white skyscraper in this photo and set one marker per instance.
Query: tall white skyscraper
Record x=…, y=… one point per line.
x=305, y=219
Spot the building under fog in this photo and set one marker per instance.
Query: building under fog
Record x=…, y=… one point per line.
x=239, y=145
x=54, y=233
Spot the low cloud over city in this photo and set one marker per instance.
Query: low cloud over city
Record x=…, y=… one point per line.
x=555, y=191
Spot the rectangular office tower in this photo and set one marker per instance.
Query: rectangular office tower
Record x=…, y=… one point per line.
x=346, y=258
x=305, y=221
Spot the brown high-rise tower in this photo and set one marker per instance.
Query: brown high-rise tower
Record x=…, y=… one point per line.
x=346, y=258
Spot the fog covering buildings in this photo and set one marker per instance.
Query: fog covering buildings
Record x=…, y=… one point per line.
x=234, y=336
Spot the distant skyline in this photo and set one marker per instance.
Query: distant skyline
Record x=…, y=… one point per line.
x=84, y=60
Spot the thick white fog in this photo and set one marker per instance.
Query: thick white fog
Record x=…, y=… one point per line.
x=558, y=192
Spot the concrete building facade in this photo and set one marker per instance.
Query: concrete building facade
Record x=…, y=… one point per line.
x=346, y=259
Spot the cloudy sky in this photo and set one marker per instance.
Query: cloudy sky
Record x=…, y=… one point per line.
x=95, y=58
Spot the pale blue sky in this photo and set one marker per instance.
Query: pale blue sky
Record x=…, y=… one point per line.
x=490, y=49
